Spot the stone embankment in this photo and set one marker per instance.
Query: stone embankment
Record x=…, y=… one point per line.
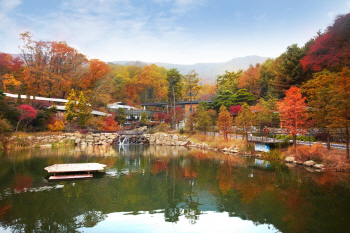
x=67, y=138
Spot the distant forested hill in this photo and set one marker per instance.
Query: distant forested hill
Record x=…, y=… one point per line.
x=207, y=71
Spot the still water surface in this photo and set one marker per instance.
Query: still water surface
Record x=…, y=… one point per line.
x=168, y=189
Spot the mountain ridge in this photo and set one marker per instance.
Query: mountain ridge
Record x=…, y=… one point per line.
x=206, y=71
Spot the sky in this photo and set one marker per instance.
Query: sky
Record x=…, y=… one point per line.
x=171, y=31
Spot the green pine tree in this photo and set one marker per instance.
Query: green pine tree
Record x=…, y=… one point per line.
x=71, y=107
x=84, y=111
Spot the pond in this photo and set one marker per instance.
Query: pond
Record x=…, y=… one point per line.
x=168, y=189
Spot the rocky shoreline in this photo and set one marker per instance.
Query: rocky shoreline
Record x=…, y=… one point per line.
x=152, y=139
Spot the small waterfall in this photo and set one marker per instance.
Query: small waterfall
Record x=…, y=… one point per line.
x=125, y=139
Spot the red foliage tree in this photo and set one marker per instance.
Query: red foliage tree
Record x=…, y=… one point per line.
x=110, y=124
x=234, y=109
x=161, y=116
x=293, y=113
x=332, y=48
x=26, y=113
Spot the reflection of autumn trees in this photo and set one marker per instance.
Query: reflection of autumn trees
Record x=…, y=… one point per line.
x=174, y=185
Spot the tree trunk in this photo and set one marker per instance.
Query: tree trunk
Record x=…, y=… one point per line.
x=347, y=142
x=295, y=143
x=328, y=141
x=17, y=125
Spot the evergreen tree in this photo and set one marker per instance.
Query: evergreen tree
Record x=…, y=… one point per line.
x=144, y=118
x=71, y=107
x=84, y=110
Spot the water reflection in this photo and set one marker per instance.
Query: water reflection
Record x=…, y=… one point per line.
x=164, y=185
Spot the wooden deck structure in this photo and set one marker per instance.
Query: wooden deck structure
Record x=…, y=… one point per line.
x=74, y=167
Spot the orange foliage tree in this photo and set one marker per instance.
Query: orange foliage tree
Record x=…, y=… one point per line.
x=250, y=80
x=293, y=113
x=224, y=122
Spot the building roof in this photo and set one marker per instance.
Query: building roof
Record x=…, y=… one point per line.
x=164, y=104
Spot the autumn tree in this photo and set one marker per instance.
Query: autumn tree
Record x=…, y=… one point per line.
x=224, y=122
x=340, y=108
x=190, y=123
x=27, y=113
x=234, y=109
x=266, y=113
x=203, y=119
x=179, y=115
x=250, y=80
x=319, y=91
x=293, y=113
x=245, y=120
x=174, y=79
x=212, y=119
x=191, y=87
x=331, y=49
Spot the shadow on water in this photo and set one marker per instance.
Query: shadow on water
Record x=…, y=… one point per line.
x=183, y=186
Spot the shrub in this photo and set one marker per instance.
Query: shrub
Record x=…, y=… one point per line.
x=274, y=154
x=182, y=131
x=57, y=126
x=4, y=126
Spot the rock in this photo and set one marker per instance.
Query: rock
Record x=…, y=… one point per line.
x=309, y=163
x=83, y=143
x=175, y=137
x=52, y=140
x=72, y=138
x=69, y=134
x=289, y=159
x=103, y=137
x=45, y=141
x=89, y=137
x=319, y=166
x=110, y=141
x=77, y=141
x=299, y=162
x=108, y=134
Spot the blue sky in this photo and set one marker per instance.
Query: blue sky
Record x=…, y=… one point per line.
x=174, y=31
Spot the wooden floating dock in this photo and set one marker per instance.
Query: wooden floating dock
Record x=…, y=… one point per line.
x=74, y=167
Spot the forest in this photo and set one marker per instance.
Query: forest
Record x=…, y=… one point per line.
x=306, y=86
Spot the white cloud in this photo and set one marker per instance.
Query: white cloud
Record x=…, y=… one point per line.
x=7, y=5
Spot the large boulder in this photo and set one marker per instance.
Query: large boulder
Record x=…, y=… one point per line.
x=175, y=137
x=319, y=166
x=89, y=137
x=309, y=163
x=289, y=159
